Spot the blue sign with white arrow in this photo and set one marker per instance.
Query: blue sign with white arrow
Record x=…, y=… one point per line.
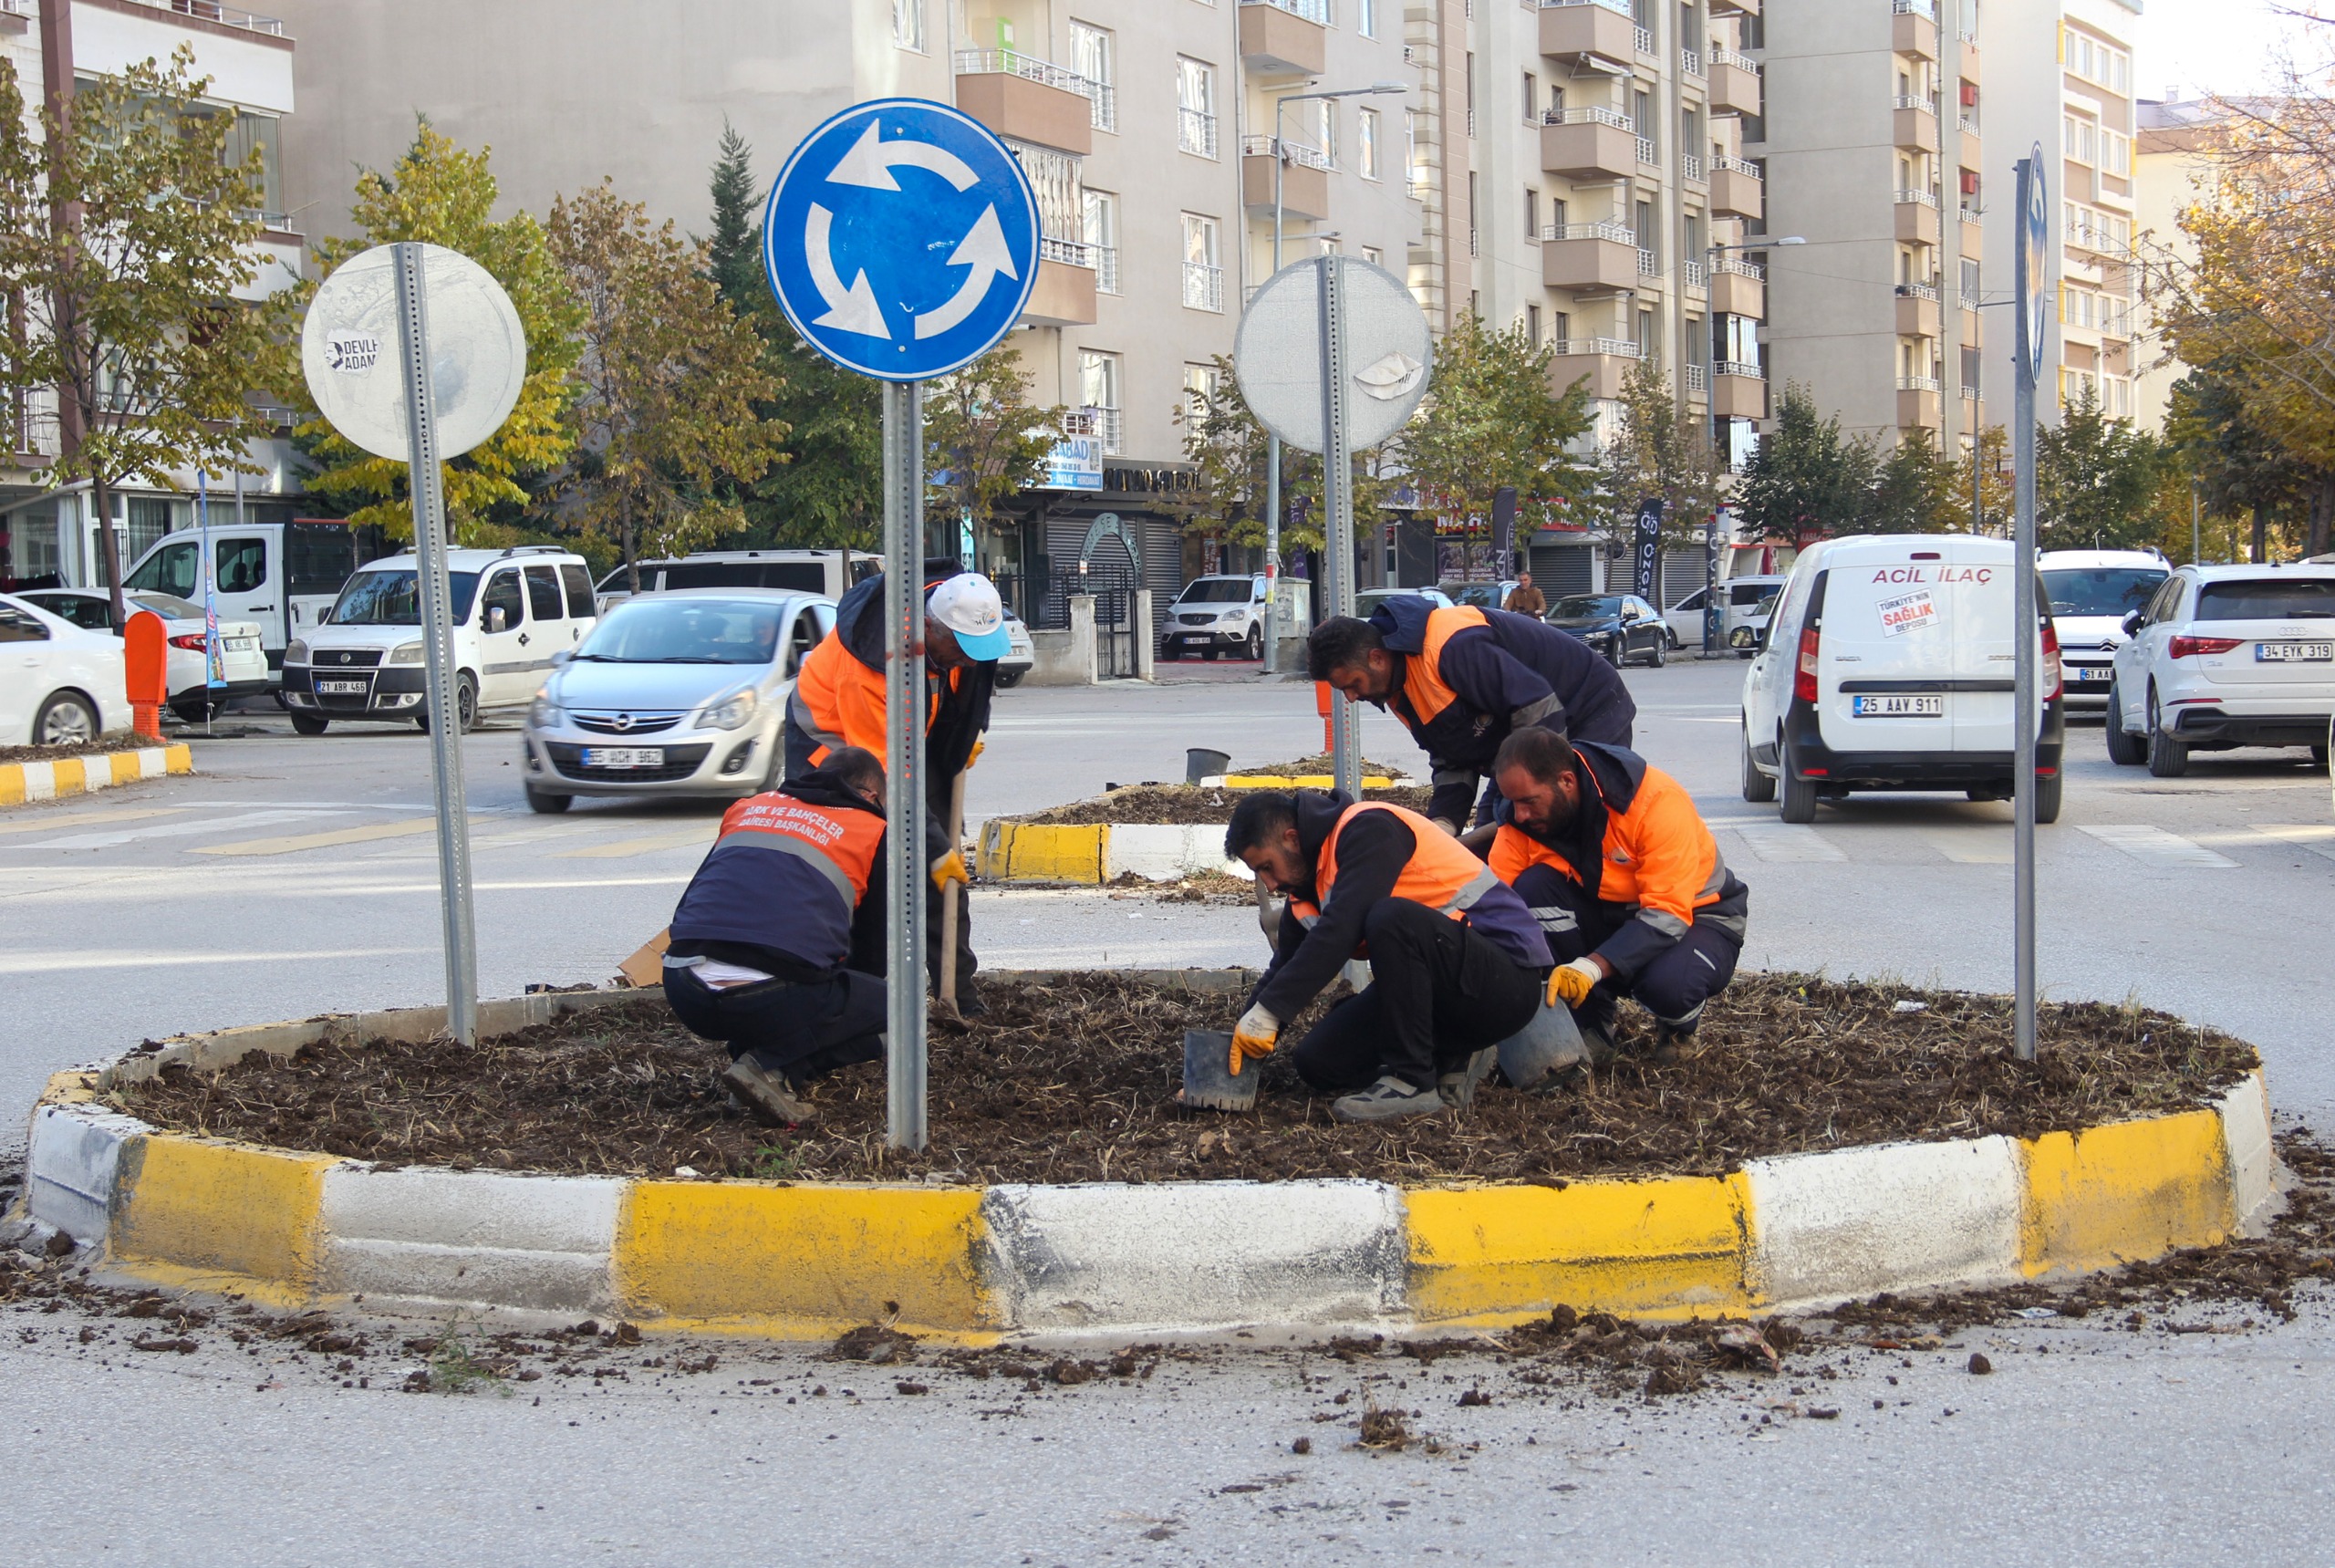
x=901, y=239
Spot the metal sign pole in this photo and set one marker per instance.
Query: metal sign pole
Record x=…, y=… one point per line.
x=2024, y=628
x=1337, y=499
x=438, y=652
x=904, y=699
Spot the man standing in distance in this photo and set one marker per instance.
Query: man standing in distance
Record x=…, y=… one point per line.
x=1526, y=599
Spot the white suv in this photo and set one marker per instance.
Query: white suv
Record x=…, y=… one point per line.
x=2092, y=592
x=2223, y=656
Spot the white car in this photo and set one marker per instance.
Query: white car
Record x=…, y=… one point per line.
x=1226, y=614
x=2223, y=656
x=2092, y=592
x=515, y=610
x=1740, y=601
x=59, y=684
x=1889, y=665
x=1020, y=654
x=674, y=693
x=242, y=658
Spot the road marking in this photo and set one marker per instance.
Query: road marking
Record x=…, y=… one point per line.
x=2155, y=847
x=1783, y=843
x=1972, y=846
x=626, y=847
x=48, y=819
x=294, y=842
x=167, y=830
x=2318, y=840
x=53, y=963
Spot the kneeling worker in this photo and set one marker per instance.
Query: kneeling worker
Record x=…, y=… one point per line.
x=1456, y=959
x=778, y=945
x=1614, y=862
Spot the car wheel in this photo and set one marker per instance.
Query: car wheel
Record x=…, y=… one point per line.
x=465, y=705
x=2168, y=758
x=65, y=720
x=1007, y=679
x=1256, y=644
x=1660, y=654
x=1798, y=793
x=1757, y=786
x=548, y=803
x=2319, y=758
x=309, y=723
x=1171, y=653
x=2048, y=791
x=191, y=713
x=2125, y=749
x=1614, y=652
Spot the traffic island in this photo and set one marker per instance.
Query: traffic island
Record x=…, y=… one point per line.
x=1830, y=1143
x=55, y=773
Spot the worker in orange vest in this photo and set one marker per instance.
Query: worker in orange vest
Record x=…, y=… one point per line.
x=1455, y=960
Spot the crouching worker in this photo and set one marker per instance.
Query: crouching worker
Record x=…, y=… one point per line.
x=1455, y=960
x=1614, y=863
x=778, y=945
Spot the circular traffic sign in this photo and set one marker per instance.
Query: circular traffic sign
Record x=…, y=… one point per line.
x=1277, y=355
x=901, y=239
x=2034, y=261
x=350, y=352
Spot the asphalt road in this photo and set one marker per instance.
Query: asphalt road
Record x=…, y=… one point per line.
x=296, y=875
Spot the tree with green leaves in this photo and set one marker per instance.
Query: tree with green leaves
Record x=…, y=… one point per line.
x=1227, y=449
x=127, y=236
x=1659, y=450
x=984, y=441
x=443, y=194
x=2239, y=469
x=1805, y=480
x=2095, y=481
x=666, y=389
x=1492, y=421
x=1914, y=490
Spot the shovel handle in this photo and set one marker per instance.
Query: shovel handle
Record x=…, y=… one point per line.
x=948, y=986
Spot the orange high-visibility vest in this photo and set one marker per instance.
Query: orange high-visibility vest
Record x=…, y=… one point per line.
x=1422, y=691
x=1441, y=873
x=840, y=844
x=1657, y=855
x=839, y=701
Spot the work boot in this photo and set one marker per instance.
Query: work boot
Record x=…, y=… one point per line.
x=1458, y=1089
x=1674, y=1043
x=969, y=999
x=1386, y=1100
x=765, y=1095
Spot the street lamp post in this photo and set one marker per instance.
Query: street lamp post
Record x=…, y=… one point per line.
x=1273, y=441
x=1714, y=620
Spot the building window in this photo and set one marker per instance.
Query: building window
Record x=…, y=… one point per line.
x=1099, y=213
x=1374, y=255
x=1366, y=17
x=1195, y=107
x=1411, y=159
x=1649, y=340
x=1365, y=143
x=1562, y=321
x=1203, y=273
x=1325, y=130
x=259, y=132
x=1094, y=54
x=907, y=24
x=1531, y=98
x=1054, y=178
x=1532, y=324
x=1531, y=213
x=1200, y=384
x=1098, y=393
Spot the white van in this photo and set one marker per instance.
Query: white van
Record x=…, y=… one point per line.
x=829, y=573
x=515, y=610
x=1889, y=665
x=2092, y=592
x=284, y=575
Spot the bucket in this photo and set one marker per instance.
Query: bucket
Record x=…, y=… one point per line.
x=1207, y=1079
x=1531, y=1058
x=1199, y=762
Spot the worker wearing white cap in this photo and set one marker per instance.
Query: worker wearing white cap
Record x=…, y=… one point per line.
x=839, y=700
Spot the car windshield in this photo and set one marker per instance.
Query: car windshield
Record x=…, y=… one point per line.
x=2101, y=590
x=392, y=599
x=1586, y=607
x=687, y=631
x=1215, y=591
x=1483, y=595
x=169, y=606
x=2279, y=598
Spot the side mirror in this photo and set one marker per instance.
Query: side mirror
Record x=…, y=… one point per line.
x=2131, y=624
x=495, y=620
x=561, y=657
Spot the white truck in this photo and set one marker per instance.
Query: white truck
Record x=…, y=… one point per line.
x=283, y=575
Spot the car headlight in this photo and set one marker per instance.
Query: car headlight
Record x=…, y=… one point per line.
x=731, y=713
x=543, y=711
x=404, y=653
x=295, y=651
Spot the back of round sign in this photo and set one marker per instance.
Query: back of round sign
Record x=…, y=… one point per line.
x=349, y=354
x=1278, y=354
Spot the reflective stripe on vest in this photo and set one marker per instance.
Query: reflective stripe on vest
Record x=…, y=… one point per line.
x=840, y=843
x=1423, y=692
x=1441, y=874
x=815, y=706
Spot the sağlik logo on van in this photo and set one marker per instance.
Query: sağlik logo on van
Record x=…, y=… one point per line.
x=1944, y=575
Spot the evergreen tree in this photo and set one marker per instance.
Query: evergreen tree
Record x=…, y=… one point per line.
x=2095, y=481
x=1913, y=490
x=733, y=252
x=1806, y=479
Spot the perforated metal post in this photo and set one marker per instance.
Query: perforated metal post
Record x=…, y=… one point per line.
x=1337, y=503
x=2023, y=710
x=459, y=918
x=904, y=702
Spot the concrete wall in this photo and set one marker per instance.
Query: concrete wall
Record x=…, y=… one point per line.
x=1066, y=658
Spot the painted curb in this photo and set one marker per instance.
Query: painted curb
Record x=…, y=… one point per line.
x=1092, y=854
x=22, y=782
x=807, y=1259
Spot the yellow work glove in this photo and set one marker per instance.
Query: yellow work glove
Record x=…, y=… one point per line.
x=947, y=870
x=1571, y=983
x=1255, y=1035
x=979, y=747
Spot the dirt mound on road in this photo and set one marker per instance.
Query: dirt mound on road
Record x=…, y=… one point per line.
x=1183, y=803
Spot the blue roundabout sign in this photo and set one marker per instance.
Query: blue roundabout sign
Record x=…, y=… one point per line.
x=901, y=239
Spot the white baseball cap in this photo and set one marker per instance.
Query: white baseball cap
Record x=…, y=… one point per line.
x=968, y=605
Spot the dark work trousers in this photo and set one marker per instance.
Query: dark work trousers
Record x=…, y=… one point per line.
x=804, y=1030
x=1439, y=991
x=1673, y=987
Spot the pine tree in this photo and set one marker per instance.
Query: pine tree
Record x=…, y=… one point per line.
x=1806, y=479
x=735, y=250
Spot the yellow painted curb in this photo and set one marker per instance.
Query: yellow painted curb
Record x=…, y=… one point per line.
x=1029, y=852
x=2123, y=1192
x=22, y=782
x=211, y=1208
x=1298, y=780
x=801, y=1261
x=1667, y=1247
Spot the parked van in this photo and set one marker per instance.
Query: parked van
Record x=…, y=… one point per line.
x=1889, y=665
x=284, y=575
x=827, y=572
x=514, y=611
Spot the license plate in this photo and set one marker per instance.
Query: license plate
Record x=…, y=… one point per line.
x=2096, y=675
x=624, y=756
x=241, y=644
x=341, y=688
x=2294, y=652
x=1897, y=707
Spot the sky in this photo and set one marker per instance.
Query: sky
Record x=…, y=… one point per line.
x=2199, y=46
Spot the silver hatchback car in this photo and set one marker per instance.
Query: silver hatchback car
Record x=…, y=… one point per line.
x=673, y=694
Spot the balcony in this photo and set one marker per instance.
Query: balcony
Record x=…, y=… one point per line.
x=1589, y=256
x=1580, y=30
x=1738, y=392
x=1195, y=132
x=1605, y=361
x=1914, y=123
x=1737, y=190
x=1970, y=143
x=1740, y=7
x=1589, y=144
x=1305, y=178
x=1734, y=83
x=1691, y=167
x=1284, y=38
x=1203, y=287
x=1913, y=28
x=1919, y=314
x=1027, y=99
x=1698, y=381
x=204, y=11
x=1739, y=288
x=1917, y=221
x=1063, y=295
x=1696, y=276
x=1918, y=401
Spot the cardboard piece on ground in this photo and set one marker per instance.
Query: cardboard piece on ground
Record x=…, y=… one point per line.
x=647, y=968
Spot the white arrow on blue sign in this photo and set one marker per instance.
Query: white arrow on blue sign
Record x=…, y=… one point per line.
x=901, y=239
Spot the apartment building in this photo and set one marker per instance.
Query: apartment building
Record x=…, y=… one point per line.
x=2177, y=160
x=1148, y=127
x=1583, y=170
x=50, y=537
x=1878, y=161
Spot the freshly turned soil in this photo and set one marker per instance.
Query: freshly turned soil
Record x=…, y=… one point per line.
x=1073, y=1080
x=119, y=740
x=1185, y=803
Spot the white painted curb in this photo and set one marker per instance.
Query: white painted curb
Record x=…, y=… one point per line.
x=435, y=1237
x=1168, y=852
x=1840, y=1224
